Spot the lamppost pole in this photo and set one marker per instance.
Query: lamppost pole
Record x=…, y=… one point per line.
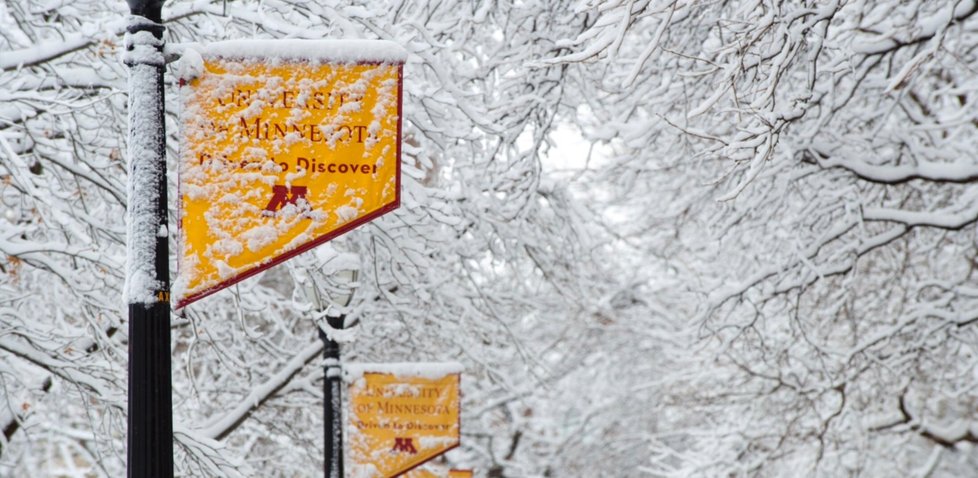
x=147, y=290
x=332, y=402
x=339, y=293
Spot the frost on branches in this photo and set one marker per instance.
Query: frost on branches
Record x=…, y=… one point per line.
x=807, y=171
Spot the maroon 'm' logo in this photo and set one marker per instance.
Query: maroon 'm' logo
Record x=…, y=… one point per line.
x=405, y=445
x=282, y=195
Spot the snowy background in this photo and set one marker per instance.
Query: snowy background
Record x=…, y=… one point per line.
x=664, y=237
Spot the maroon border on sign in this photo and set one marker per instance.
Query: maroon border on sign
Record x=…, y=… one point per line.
x=458, y=376
x=325, y=238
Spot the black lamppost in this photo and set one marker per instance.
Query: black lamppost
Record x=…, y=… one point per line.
x=332, y=402
x=340, y=294
x=150, y=418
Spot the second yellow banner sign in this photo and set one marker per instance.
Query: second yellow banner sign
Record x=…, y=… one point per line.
x=400, y=416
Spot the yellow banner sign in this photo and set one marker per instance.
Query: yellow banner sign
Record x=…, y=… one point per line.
x=279, y=155
x=398, y=421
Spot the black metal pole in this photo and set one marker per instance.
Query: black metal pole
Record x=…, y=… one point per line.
x=150, y=418
x=332, y=402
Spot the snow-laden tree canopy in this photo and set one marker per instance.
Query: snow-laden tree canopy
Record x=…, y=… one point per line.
x=808, y=172
x=765, y=267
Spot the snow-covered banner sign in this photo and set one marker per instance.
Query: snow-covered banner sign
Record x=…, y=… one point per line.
x=400, y=416
x=285, y=144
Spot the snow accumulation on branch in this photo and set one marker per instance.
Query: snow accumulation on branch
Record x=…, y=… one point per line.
x=48, y=50
x=67, y=371
x=207, y=454
x=42, y=52
x=947, y=436
x=897, y=174
x=956, y=319
x=927, y=29
x=219, y=428
x=951, y=220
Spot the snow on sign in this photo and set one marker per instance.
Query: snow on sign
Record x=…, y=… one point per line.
x=400, y=416
x=285, y=144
